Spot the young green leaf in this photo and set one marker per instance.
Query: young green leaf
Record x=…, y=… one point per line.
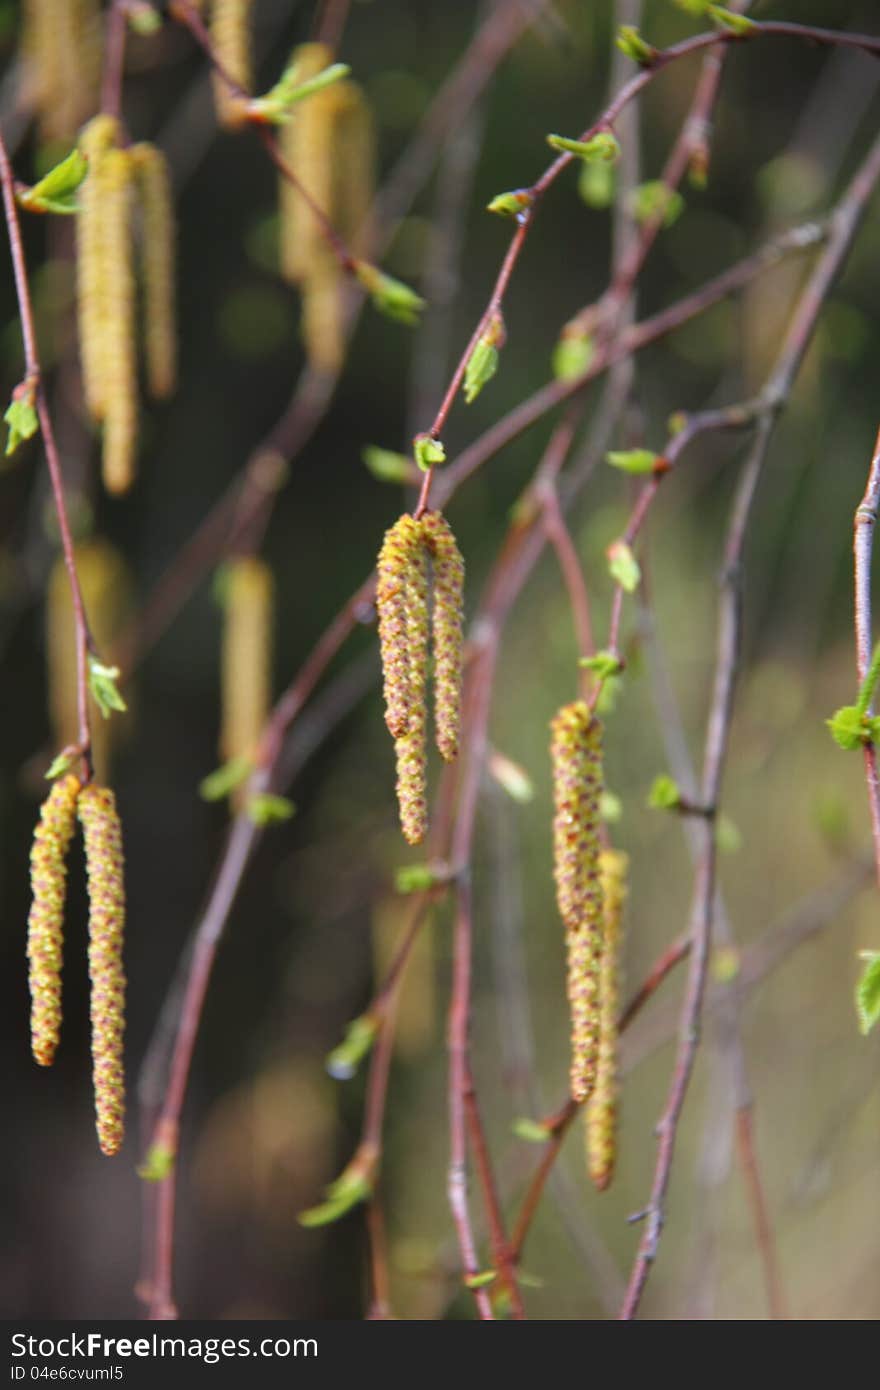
x=55, y=193
x=655, y=199
x=601, y=147
x=102, y=684
x=572, y=355
x=418, y=878
x=664, y=794
x=391, y=297
x=610, y=807
x=738, y=24
x=266, y=808
x=386, y=465
x=868, y=992
x=276, y=106
x=481, y=1280
x=346, y=1057
x=482, y=364
x=623, y=566
x=511, y=204
x=225, y=779
x=851, y=728
x=428, y=452
x=22, y=419
x=158, y=1163
x=631, y=43
x=633, y=460
x=532, y=1131
x=61, y=764
x=603, y=664
x=596, y=184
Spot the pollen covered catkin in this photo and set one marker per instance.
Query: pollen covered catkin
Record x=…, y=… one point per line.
x=247, y=656
x=99, y=136
x=157, y=267
x=601, y=1109
x=61, y=53
x=410, y=747
x=447, y=612
x=401, y=543
x=305, y=142
x=576, y=753
x=118, y=360
x=46, y=921
x=104, y=869
x=231, y=38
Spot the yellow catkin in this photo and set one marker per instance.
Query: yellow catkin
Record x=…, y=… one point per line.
x=306, y=145
x=107, y=594
x=601, y=1109
x=46, y=921
x=576, y=753
x=231, y=37
x=448, y=604
x=322, y=323
x=61, y=49
x=157, y=262
x=104, y=868
x=354, y=166
x=401, y=542
x=410, y=747
x=247, y=656
x=119, y=349
x=100, y=135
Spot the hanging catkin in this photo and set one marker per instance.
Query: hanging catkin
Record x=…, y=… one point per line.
x=61, y=50
x=231, y=37
x=447, y=612
x=306, y=145
x=247, y=656
x=157, y=267
x=395, y=557
x=46, y=921
x=410, y=747
x=119, y=356
x=95, y=140
x=106, y=589
x=104, y=869
x=576, y=753
x=601, y=1109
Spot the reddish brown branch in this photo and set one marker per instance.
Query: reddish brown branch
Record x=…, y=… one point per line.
x=863, y=546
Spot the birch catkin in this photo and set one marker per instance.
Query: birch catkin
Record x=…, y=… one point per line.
x=104, y=868
x=400, y=544
x=118, y=352
x=306, y=145
x=247, y=656
x=601, y=1109
x=99, y=136
x=61, y=48
x=231, y=37
x=157, y=262
x=410, y=746
x=46, y=921
x=576, y=752
x=448, y=598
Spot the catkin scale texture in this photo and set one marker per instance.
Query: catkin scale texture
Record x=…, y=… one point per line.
x=306, y=145
x=46, y=920
x=400, y=545
x=576, y=753
x=601, y=1109
x=247, y=656
x=118, y=352
x=410, y=747
x=157, y=262
x=95, y=140
x=231, y=37
x=61, y=51
x=447, y=611
x=104, y=869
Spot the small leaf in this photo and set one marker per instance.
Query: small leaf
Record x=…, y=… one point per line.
x=665, y=794
x=633, y=460
x=22, y=419
x=596, y=184
x=600, y=148
x=225, y=779
x=532, y=1131
x=143, y=19
x=631, y=43
x=102, y=684
x=623, y=566
x=513, y=778
x=738, y=24
x=603, y=664
x=418, y=878
x=609, y=694
x=386, y=465
x=481, y=1280
x=267, y=808
x=482, y=364
x=656, y=199
x=158, y=1163
x=869, y=684
x=275, y=107
x=354, y=1185
x=847, y=727
x=728, y=836
x=572, y=355
x=868, y=992
x=610, y=807
x=428, y=452
x=61, y=764
x=55, y=192
x=391, y=297
x=344, y=1060
x=511, y=204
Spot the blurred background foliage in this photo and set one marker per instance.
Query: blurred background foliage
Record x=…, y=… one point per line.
x=265, y=1128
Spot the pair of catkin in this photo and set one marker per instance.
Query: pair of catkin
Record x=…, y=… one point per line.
x=123, y=185
x=61, y=53
x=590, y=892
x=329, y=143
x=402, y=607
x=95, y=807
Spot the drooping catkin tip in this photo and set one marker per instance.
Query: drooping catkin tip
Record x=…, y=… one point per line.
x=104, y=870
x=46, y=920
x=447, y=617
x=601, y=1111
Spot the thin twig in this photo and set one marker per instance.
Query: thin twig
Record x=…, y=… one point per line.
x=863, y=546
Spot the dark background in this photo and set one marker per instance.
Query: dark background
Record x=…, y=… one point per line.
x=264, y=1127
